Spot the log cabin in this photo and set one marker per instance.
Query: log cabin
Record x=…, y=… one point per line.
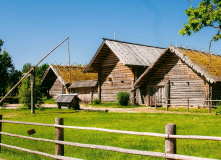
x=57, y=80
x=181, y=77
x=118, y=65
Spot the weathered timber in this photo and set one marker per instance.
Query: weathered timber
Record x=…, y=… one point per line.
x=38, y=153
x=31, y=71
x=59, y=135
x=32, y=77
x=170, y=144
x=183, y=82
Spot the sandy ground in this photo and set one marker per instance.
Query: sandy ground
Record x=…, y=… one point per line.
x=127, y=110
x=119, y=110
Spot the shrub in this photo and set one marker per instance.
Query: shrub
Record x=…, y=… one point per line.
x=218, y=110
x=41, y=108
x=96, y=101
x=25, y=92
x=123, y=98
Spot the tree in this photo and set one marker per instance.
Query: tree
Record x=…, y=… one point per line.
x=40, y=70
x=26, y=67
x=25, y=92
x=14, y=77
x=25, y=87
x=1, y=43
x=207, y=14
x=6, y=69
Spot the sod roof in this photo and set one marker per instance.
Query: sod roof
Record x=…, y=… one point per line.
x=200, y=62
x=63, y=73
x=203, y=59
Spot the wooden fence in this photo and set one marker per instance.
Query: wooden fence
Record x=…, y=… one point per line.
x=169, y=136
x=208, y=103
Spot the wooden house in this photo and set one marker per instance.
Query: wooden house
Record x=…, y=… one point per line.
x=182, y=77
x=118, y=65
x=57, y=80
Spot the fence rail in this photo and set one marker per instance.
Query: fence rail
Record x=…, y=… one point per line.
x=170, y=141
x=186, y=102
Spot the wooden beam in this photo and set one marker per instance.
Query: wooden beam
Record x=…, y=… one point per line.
x=32, y=77
x=31, y=71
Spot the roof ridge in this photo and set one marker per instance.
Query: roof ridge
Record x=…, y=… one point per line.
x=132, y=43
x=198, y=51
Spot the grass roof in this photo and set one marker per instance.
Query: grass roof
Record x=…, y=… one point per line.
x=203, y=59
x=77, y=73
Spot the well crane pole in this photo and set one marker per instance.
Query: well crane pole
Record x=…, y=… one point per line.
x=31, y=70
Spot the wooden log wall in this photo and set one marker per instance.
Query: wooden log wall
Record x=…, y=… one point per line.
x=184, y=82
x=56, y=89
x=84, y=94
x=115, y=77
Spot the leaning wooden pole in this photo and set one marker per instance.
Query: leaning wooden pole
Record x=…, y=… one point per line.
x=32, y=77
x=31, y=71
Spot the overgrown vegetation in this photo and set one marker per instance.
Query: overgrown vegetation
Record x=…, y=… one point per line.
x=96, y=101
x=48, y=101
x=218, y=110
x=8, y=75
x=187, y=124
x=123, y=98
x=25, y=87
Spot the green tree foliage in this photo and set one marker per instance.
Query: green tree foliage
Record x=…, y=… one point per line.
x=25, y=87
x=39, y=71
x=123, y=98
x=25, y=92
x=207, y=14
x=26, y=67
x=6, y=69
x=1, y=43
x=13, y=80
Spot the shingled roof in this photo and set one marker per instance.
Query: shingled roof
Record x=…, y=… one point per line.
x=130, y=54
x=198, y=61
x=84, y=84
x=62, y=72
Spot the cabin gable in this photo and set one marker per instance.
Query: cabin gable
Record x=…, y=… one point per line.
x=172, y=80
x=56, y=89
x=115, y=77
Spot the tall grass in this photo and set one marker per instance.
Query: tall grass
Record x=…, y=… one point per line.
x=187, y=124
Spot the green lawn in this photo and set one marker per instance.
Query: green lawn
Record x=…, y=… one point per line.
x=113, y=105
x=187, y=124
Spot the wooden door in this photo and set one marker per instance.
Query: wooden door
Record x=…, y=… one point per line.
x=157, y=94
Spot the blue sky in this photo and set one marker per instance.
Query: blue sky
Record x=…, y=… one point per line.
x=31, y=28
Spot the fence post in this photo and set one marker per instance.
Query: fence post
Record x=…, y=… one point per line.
x=170, y=144
x=91, y=93
x=59, y=135
x=155, y=103
x=188, y=104
x=209, y=109
x=0, y=131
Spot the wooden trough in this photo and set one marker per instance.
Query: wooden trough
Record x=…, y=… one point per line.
x=69, y=100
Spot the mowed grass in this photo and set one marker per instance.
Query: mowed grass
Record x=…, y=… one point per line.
x=112, y=105
x=187, y=124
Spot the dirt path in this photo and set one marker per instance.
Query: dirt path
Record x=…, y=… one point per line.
x=118, y=110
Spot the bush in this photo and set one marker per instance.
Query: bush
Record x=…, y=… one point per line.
x=41, y=108
x=25, y=92
x=96, y=101
x=123, y=98
x=218, y=110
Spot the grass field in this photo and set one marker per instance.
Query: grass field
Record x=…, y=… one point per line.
x=187, y=124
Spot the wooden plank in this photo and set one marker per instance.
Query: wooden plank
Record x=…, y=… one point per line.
x=39, y=153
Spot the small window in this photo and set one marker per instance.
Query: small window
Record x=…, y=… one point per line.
x=122, y=81
x=109, y=79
